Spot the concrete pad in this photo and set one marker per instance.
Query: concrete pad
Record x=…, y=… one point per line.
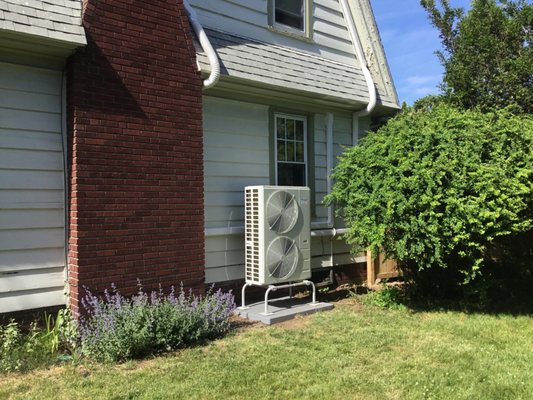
x=281, y=309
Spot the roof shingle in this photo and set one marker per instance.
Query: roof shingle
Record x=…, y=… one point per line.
x=54, y=19
x=257, y=61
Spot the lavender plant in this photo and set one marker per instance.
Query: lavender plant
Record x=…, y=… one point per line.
x=117, y=328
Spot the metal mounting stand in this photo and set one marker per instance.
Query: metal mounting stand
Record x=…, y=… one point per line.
x=273, y=288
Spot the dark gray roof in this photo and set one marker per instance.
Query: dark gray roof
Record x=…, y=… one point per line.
x=53, y=19
x=284, y=67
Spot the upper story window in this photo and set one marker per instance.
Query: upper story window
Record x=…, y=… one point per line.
x=291, y=150
x=290, y=16
x=290, y=13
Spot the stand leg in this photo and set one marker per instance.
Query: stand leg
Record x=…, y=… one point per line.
x=314, y=302
x=270, y=288
x=243, y=306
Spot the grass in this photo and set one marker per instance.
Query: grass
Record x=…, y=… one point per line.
x=352, y=352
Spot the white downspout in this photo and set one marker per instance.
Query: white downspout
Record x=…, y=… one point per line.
x=329, y=168
x=66, y=183
x=372, y=96
x=206, y=46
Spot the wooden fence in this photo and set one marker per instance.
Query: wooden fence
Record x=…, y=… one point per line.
x=379, y=268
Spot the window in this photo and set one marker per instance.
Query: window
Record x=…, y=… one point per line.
x=290, y=150
x=290, y=16
x=290, y=13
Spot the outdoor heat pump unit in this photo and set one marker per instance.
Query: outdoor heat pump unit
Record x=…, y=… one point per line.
x=277, y=234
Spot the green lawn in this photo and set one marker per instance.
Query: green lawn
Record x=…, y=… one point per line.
x=353, y=352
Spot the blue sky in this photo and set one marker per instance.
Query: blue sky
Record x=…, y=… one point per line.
x=410, y=42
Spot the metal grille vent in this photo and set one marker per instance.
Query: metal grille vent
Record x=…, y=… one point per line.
x=251, y=207
x=282, y=211
x=282, y=257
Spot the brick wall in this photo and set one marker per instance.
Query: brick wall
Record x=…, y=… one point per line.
x=135, y=141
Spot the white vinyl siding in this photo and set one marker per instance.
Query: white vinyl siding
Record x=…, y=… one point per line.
x=236, y=151
x=330, y=38
x=32, y=206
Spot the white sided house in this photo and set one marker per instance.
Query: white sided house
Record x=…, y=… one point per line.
x=36, y=37
x=99, y=158
x=299, y=81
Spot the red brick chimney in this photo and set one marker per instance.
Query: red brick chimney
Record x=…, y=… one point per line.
x=136, y=158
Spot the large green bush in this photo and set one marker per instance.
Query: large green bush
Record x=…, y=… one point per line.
x=435, y=188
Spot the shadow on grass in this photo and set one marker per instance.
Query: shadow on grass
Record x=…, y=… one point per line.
x=502, y=298
x=505, y=298
x=506, y=304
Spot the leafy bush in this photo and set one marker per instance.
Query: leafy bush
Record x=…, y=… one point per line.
x=117, y=328
x=436, y=188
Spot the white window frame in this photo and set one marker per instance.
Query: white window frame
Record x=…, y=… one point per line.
x=306, y=163
x=287, y=29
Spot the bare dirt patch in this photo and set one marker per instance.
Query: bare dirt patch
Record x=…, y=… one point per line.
x=296, y=323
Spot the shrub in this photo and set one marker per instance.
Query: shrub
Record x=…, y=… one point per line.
x=22, y=351
x=391, y=297
x=116, y=328
x=435, y=188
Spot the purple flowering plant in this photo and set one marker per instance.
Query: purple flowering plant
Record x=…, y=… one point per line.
x=117, y=328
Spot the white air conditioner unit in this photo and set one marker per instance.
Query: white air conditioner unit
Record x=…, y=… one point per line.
x=277, y=232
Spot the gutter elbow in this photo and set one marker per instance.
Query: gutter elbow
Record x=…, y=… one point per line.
x=206, y=46
x=372, y=96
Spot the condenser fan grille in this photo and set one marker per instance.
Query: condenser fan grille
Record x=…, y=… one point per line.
x=281, y=258
x=282, y=211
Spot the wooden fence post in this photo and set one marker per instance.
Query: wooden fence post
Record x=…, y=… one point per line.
x=370, y=269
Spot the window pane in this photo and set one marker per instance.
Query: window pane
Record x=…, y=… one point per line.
x=281, y=150
x=300, y=130
x=299, y=151
x=290, y=6
x=290, y=13
x=290, y=151
x=290, y=129
x=291, y=174
x=280, y=128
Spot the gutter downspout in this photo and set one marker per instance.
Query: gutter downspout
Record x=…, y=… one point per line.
x=66, y=183
x=372, y=99
x=206, y=46
x=366, y=72
x=329, y=168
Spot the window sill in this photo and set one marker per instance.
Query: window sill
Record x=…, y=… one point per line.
x=305, y=37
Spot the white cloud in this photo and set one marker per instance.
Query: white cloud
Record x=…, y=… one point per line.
x=425, y=90
x=422, y=79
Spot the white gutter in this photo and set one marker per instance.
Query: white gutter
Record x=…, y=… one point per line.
x=206, y=46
